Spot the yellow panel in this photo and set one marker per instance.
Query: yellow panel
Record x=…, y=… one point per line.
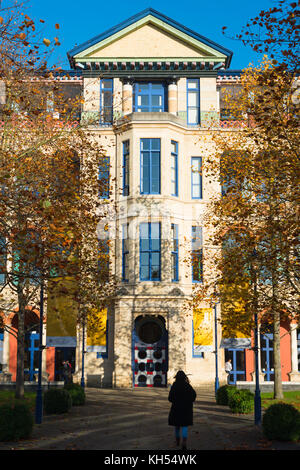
x=203, y=326
x=96, y=328
x=61, y=309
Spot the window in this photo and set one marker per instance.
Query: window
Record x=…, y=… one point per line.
x=125, y=253
x=103, y=178
x=106, y=101
x=193, y=101
x=197, y=259
x=196, y=178
x=2, y=259
x=174, y=253
x=150, y=166
x=126, y=168
x=149, y=97
x=1, y=348
x=103, y=260
x=174, y=168
x=150, y=251
x=298, y=348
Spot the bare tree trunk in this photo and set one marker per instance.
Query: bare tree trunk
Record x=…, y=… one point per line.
x=21, y=348
x=278, y=391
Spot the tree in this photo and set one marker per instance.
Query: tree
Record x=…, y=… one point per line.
x=49, y=204
x=275, y=32
x=255, y=221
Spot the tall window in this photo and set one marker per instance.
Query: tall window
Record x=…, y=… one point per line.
x=196, y=177
x=149, y=97
x=150, y=251
x=2, y=259
x=174, y=253
x=106, y=101
x=298, y=348
x=174, y=168
x=1, y=348
x=103, y=178
x=103, y=259
x=150, y=166
x=197, y=258
x=193, y=101
x=125, y=253
x=126, y=168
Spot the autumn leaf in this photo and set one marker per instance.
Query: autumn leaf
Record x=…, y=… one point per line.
x=47, y=42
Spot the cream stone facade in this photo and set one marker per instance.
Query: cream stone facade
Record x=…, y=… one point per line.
x=151, y=89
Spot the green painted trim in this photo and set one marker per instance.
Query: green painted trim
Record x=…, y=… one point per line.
x=162, y=25
x=151, y=59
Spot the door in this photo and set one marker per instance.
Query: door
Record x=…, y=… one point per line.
x=266, y=356
x=150, y=352
x=63, y=354
x=237, y=357
x=31, y=356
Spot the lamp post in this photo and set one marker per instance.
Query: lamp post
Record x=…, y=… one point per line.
x=257, y=397
x=39, y=394
x=216, y=350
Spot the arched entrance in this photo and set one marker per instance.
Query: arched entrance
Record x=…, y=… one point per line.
x=150, y=352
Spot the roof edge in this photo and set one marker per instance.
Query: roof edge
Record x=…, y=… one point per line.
x=139, y=16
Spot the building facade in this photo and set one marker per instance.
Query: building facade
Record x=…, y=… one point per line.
x=152, y=89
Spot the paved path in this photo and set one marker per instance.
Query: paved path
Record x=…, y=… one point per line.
x=136, y=419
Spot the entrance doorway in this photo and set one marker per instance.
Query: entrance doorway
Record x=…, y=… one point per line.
x=63, y=354
x=237, y=357
x=31, y=356
x=266, y=356
x=150, y=352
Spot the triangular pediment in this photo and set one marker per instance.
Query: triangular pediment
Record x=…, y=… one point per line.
x=149, y=36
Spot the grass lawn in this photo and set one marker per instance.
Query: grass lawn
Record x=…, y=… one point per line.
x=7, y=397
x=291, y=397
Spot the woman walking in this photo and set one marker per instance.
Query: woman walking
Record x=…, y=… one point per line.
x=182, y=395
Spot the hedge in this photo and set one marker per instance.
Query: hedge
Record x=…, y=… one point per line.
x=57, y=401
x=16, y=422
x=281, y=421
x=77, y=394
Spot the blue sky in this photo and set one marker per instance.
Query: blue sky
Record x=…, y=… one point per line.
x=80, y=21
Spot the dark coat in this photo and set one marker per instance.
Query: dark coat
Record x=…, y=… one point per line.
x=182, y=395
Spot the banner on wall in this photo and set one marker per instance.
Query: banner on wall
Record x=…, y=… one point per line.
x=97, y=331
x=61, y=314
x=203, y=326
x=236, y=343
x=232, y=337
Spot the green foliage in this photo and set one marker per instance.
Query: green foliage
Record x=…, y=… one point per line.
x=241, y=401
x=77, y=394
x=281, y=421
x=57, y=401
x=16, y=422
x=223, y=393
